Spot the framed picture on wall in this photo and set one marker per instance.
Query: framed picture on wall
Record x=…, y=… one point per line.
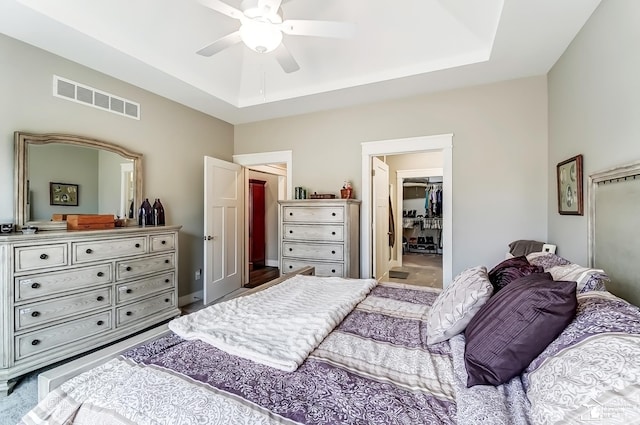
x=64, y=194
x=570, y=186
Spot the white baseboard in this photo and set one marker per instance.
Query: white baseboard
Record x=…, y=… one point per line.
x=190, y=298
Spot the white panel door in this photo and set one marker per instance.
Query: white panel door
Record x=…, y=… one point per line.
x=380, y=218
x=223, y=228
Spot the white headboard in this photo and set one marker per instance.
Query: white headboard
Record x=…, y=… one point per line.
x=614, y=228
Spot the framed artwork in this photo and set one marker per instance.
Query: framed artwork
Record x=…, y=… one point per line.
x=570, y=186
x=64, y=194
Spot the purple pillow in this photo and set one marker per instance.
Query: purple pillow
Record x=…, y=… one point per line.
x=510, y=270
x=515, y=326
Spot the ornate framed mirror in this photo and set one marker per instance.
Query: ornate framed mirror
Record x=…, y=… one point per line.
x=101, y=178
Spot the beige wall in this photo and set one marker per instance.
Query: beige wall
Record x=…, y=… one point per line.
x=499, y=156
x=594, y=109
x=172, y=138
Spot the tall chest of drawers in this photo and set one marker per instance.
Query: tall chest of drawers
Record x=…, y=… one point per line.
x=324, y=233
x=65, y=293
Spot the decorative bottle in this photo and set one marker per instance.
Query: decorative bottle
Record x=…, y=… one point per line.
x=160, y=210
x=146, y=213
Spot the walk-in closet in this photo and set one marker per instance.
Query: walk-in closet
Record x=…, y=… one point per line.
x=422, y=215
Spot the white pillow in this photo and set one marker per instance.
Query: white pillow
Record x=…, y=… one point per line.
x=452, y=311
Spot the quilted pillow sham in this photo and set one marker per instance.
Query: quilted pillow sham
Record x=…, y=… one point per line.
x=515, y=326
x=457, y=304
x=510, y=270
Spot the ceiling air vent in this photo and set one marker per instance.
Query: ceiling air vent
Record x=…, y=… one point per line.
x=80, y=93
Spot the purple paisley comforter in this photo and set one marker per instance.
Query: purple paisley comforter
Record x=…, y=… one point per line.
x=373, y=368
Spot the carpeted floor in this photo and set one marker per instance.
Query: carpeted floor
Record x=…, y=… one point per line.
x=423, y=269
x=23, y=398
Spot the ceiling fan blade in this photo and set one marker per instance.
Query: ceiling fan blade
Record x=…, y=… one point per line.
x=220, y=44
x=318, y=28
x=286, y=61
x=269, y=6
x=222, y=7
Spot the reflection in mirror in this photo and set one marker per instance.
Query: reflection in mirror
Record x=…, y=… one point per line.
x=108, y=178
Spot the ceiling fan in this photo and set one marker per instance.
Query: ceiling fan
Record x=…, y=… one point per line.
x=262, y=29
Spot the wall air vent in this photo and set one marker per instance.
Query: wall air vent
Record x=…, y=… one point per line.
x=80, y=93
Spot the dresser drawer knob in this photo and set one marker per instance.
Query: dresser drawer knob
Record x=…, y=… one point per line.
x=100, y=298
x=167, y=300
x=290, y=249
x=89, y=251
x=290, y=231
x=128, y=268
x=333, y=233
x=333, y=270
x=333, y=214
x=290, y=267
x=35, y=285
x=35, y=342
x=100, y=323
x=163, y=242
x=43, y=256
x=166, y=261
x=333, y=252
x=129, y=313
x=167, y=281
x=137, y=245
x=100, y=274
x=35, y=314
x=128, y=291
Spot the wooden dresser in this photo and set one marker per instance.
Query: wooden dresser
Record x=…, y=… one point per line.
x=323, y=233
x=65, y=293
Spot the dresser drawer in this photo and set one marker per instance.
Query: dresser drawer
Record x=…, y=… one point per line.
x=126, y=269
x=294, y=214
x=329, y=252
x=307, y=232
x=322, y=269
x=47, y=311
x=84, y=252
x=55, y=336
x=147, y=307
x=163, y=242
x=39, y=285
x=141, y=288
x=40, y=257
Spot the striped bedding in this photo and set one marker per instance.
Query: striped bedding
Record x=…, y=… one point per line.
x=373, y=368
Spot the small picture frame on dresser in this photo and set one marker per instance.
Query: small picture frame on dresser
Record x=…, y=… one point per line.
x=64, y=194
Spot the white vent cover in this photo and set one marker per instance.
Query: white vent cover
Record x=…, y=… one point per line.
x=80, y=93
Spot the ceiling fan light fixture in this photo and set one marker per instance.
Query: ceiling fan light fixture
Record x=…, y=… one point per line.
x=261, y=37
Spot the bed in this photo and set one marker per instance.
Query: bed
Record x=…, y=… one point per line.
x=401, y=354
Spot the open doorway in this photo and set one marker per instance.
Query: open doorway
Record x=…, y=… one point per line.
x=439, y=143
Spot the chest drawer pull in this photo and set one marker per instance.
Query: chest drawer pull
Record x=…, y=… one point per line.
x=291, y=214
x=163, y=242
x=290, y=267
x=167, y=300
x=35, y=342
x=43, y=256
x=35, y=285
x=100, y=298
x=100, y=274
x=333, y=233
x=128, y=268
x=333, y=252
x=128, y=291
x=100, y=323
x=290, y=249
x=137, y=245
x=129, y=313
x=166, y=261
x=333, y=214
x=166, y=281
x=290, y=231
x=89, y=251
x=35, y=314
x=333, y=270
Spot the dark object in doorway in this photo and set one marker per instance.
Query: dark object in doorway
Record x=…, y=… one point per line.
x=398, y=274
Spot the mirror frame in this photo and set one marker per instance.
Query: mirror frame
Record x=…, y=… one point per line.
x=21, y=142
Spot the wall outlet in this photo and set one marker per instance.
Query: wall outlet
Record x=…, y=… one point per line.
x=198, y=274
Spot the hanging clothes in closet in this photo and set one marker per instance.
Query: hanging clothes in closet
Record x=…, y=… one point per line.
x=433, y=200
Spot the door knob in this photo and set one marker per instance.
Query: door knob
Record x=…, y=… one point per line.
x=210, y=238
